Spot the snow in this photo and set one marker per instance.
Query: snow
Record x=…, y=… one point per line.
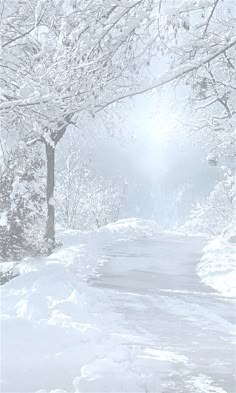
x=133, y=228
x=68, y=335
x=217, y=267
x=203, y=384
x=166, y=355
x=51, y=202
x=54, y=323
x=3, y=218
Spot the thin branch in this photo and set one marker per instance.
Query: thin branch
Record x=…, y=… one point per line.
x=18, y=37
x=211, y=15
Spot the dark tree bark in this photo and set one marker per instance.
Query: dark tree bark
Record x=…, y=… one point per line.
x=50, y=226
x=50, y=158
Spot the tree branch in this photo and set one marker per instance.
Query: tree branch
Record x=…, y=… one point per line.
x=18, y=37
x=179, y=73
x=163, y=80
x=211, y=15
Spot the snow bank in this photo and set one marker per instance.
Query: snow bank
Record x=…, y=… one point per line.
x=132, y=228
x=135, y=224
x=217, y=267
x=203, y=384
x=57, y=332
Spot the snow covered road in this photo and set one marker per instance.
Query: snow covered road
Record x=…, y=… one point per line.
x=166, y=309
x=117, y=310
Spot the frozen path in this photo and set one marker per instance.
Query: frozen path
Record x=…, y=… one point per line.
x=154, y=286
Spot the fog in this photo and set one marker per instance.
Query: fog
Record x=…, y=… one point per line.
x=163, y=167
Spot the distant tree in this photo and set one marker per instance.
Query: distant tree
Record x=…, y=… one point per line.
x=86, y=200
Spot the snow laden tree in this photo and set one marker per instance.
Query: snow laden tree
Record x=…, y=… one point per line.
x=214, y=86
x=213, y=98
x=217, y=212
x=63, y=61
x=22, y=197
x=85, y=197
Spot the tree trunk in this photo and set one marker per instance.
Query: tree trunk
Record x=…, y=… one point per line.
x=50, y=226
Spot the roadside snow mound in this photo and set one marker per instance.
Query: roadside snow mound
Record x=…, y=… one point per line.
x=132, y=228
x=58, y=332
x=217, y=267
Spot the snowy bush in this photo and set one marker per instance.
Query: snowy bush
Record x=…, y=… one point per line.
x=217, y=266
x=217, y=214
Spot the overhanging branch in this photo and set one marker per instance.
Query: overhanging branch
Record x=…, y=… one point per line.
x=163, y=80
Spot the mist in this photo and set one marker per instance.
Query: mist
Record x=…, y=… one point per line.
x=162, y=164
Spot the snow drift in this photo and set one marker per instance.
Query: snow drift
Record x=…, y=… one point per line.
x=57, y=332
x=217, y=267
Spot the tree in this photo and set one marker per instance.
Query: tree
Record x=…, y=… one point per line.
x=212, y=86
x=216, y=214
x=21, y=203
x=75, y=58
x=213, y=100
x=87, y=201
x=64, y=61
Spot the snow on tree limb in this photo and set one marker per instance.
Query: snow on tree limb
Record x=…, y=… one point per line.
x=178, y=73
x=163, y=80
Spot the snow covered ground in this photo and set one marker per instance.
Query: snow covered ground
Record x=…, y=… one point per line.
x=116, y=310
x=56, y=331
x=217, y=267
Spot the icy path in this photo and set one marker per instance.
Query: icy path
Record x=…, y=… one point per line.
x=167, y=310
x=117, y=310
